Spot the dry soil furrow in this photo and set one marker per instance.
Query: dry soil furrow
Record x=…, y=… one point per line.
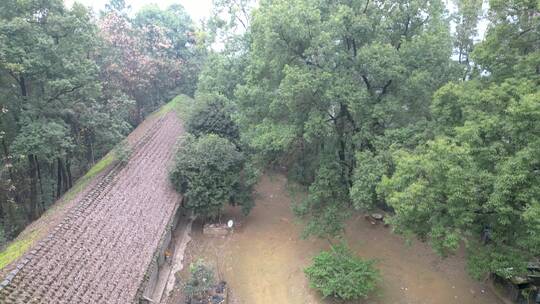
x=100, y=251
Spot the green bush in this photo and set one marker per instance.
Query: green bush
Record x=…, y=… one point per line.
x=201, y=281
x=209, y=172
x=122, y=152
x=341, y=274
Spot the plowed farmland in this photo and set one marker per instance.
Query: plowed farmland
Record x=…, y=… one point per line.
x=99, y=251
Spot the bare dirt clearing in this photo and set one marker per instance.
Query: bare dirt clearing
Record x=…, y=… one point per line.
x=263, y=261
x=101, y=249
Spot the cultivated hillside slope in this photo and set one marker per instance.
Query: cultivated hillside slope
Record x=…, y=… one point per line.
x=103, y=244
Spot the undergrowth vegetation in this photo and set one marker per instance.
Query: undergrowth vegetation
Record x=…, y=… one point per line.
x=200, y=283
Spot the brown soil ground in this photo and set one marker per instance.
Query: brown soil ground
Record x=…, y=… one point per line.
x=263, y=261
x=98, y=252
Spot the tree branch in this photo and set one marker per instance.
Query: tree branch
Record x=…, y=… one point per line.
x=365, y=7
x=386, y=87
x=366, y=81
x=63, y=92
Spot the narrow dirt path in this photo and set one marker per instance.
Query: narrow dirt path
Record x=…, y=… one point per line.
x=103, y=246
x=263, y=261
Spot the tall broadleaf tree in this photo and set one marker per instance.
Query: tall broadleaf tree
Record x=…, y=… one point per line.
x=70, y=86
x=329, y=79
x=483, y=184
x=54, y=104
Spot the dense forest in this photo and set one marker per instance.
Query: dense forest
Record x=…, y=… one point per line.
x=396, y=105
x=73, y=84
x=403, y=106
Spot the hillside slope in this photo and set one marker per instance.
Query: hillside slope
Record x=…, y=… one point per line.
x=99, y=249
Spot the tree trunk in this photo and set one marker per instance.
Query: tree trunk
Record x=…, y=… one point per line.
x=7, y=159
x=90, y=158
x=22, y=84
x=342, y=151
x=39, y=175
x=41, y=194
x=138, y=119
x=12, y=193
x=51, y=181
x=33, y=175
x=58, y=177
x=69, y=176
x=63, y=179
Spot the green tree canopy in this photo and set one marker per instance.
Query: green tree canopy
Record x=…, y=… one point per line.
x=69, y=87
x=328, y=79
x=478, y=181
x=53, y=110
x=212, y=114
x=208, y=173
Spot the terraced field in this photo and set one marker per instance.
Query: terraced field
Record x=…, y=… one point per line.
x=100, y=250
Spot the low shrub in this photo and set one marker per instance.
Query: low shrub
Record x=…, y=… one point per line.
x=122, y=152
x=200, y=283
x=339, y=273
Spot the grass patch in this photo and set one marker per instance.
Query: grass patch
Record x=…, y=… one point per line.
x=15, y=250
x=180, y=104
